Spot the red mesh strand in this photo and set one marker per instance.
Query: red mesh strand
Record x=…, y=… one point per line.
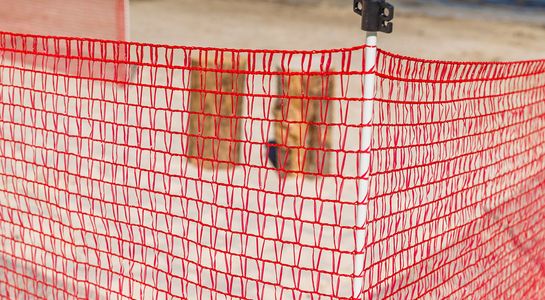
x=163, y=186
x=458, y=181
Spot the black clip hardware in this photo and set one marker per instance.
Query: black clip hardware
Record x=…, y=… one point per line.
x=377, y=15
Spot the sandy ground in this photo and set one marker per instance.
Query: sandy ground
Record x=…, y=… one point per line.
x=233, y=24
x=435, y=32
x=429, y=31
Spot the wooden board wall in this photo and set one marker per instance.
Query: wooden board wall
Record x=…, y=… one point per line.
x=215, y=110
x=301, y=128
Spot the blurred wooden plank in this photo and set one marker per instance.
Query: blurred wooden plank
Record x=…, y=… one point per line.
x=215, y=109
x=302, y=135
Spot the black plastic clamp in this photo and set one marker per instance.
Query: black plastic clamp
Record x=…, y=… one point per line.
x=377, y=15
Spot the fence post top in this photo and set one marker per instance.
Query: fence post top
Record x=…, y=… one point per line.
x=377, y=15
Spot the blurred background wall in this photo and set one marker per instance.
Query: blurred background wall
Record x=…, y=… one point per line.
x=507, y=2
x=104, y=19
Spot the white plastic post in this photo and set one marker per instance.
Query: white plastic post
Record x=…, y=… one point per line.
x=370, y=55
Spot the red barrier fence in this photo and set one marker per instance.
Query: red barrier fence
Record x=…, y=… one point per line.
x=458, y=180
x=221, y=173
x=210, y=173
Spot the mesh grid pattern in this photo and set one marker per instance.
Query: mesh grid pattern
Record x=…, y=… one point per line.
x=458, y=172
x=132, y=170
x=144, y=171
